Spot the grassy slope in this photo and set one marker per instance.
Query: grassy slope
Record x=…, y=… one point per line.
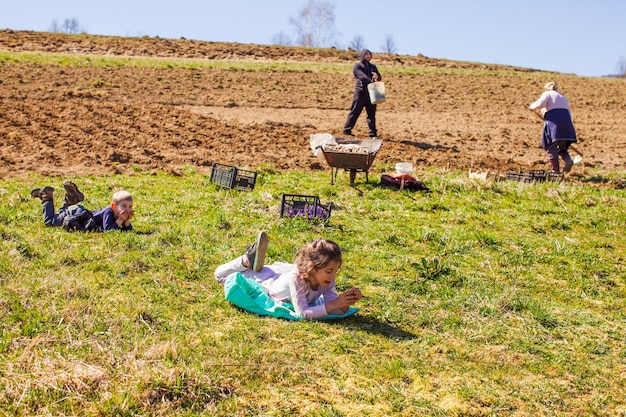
x=482, y=299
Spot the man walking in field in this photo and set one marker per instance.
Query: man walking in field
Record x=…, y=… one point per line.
x=364, y=73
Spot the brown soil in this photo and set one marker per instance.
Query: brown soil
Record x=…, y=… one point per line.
x=81, y=120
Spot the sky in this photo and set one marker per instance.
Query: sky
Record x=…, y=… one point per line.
x=583, y=37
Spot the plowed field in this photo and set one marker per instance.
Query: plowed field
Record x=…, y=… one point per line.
x=89, y=118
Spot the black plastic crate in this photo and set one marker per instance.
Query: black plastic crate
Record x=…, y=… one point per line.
x=232, y=177
x=541, y=176
x=309, y=206
x=534, y=176
x=538, y=175
x=519, y=176
x=554, y=177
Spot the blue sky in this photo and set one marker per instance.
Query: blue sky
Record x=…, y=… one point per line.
x=587, y=38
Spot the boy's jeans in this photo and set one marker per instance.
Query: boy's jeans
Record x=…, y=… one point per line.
x=50, y=218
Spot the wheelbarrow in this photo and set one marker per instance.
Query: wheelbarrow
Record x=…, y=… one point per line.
x=348, y=154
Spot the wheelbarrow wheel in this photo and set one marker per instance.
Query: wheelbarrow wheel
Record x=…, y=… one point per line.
x=352, y=176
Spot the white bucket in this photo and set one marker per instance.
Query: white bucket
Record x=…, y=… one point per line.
x=404, y=168
x=376, y=91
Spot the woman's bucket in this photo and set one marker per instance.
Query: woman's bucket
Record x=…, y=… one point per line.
x=376, y=91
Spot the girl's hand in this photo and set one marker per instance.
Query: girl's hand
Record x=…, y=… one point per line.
x=344, y=301
x=355, y=292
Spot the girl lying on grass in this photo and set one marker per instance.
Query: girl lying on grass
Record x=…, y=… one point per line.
x=309, y=284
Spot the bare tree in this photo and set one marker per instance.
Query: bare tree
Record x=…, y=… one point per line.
x=69, y=25
x=315, y=24
x=390, y=45
x=357, y=43
x=54, y=26
x=621, y=67
x=281, y=38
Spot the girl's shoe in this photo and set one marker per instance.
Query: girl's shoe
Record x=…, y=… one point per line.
x=256, y=252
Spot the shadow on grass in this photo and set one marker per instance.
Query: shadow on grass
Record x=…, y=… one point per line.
x=373, y=326
x=144, y=232
x=598, y=179
x=424, y=145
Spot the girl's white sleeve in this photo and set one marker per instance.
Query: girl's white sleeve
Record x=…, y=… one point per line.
x=329, y=292
x=299, y=289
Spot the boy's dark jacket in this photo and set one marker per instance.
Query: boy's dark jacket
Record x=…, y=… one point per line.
x=101, y=220
x=81, y=222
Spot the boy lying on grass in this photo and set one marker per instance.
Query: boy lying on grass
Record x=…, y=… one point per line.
x=74, y=217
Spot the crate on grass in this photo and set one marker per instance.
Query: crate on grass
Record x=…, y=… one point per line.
x=554, y=177
x=543, y=176
x=309, y=206
x=232, y=177
x=535, y=175
x=519, y=176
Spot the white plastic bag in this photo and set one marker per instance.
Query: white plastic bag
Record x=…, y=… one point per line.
x=318, y=140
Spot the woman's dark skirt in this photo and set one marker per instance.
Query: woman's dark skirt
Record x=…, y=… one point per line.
x=557, y=126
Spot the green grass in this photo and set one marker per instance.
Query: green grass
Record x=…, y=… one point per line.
x=98, y=61
x=113, y=62
x=482, y=299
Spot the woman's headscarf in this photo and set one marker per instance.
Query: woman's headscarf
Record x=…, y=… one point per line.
x=550, y=86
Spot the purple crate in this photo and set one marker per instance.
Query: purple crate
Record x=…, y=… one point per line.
x=307, y=206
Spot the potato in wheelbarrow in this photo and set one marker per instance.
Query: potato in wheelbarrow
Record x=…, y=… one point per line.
x=349, y=154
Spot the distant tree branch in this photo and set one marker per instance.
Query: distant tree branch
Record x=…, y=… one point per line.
x=390, y=45
x=357, y=43
x=621, y=67
x=281, y=38
x=69, y=25
x=315, y=24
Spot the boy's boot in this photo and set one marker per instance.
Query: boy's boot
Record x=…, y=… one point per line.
x=72, y=194
x=43, y=193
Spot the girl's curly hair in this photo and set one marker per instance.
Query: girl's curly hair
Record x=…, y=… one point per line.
x=316, y=255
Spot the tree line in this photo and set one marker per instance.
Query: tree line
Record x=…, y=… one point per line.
x=314, y=26
x=69, y=25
